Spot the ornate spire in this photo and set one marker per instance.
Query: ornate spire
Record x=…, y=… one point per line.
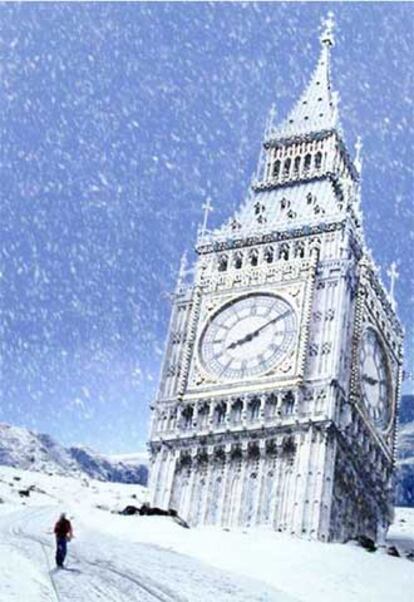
x=316, y=110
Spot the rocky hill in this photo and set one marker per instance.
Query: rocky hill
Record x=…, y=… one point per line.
x=28, y=450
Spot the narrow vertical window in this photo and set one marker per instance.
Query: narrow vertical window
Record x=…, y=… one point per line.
x=318, y=160
x=286, y=168
x=308, y=161
x=296, y=168
x=268, y=254
x=222, y=263
x=238, y=261
x=276, y=169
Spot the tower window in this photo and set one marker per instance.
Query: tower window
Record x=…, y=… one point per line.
x=187, y=417
x=296, y=167
x=300, y=251
x=253, y=258
x=222, y=263
x=238, y=261
x=254, y=408
x=203, y=415
x=318, y=160
x=286, y=168
x=236, y=411
x=308, y=160
x=268, y=254
x=220, y=413
x=276, y=169
x=284, y=252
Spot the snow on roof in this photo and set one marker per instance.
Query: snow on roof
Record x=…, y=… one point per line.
x=297, y=205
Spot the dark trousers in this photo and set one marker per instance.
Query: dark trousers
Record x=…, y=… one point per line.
x=61, y=549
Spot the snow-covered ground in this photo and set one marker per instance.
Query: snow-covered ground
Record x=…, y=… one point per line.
x=132, y=558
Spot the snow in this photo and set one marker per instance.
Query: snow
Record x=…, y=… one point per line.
x=128, y=558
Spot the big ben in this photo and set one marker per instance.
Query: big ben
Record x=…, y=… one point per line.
x=278, y=396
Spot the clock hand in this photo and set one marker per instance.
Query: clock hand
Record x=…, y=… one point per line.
x=255, y=333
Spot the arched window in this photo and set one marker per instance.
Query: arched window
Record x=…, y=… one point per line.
x=220, y=413
x=268, y=254
x=318, y=160
x=202, y=417
x=238, y=261
x=288, y=403
x=300, y=250
x=271, y=448
x=296, y=167
x=254, y=409
x=222, y=263
x=284, y=252
x=236, y=411
x=187, y=417
x=253, y=453
x=270, y=408
x=308, y=161
x=253, y=258
x=286, y=168
x=276, y=169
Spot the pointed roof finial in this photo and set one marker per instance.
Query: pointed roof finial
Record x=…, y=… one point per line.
x=207, y=206
x=358, y=154
x=327, y=37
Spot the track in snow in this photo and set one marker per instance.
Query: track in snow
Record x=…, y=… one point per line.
x=107, y=569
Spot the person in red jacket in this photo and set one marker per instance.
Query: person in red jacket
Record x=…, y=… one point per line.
x=63, y=533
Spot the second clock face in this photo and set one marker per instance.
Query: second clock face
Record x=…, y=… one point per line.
x=375, y=385
x=248, y=336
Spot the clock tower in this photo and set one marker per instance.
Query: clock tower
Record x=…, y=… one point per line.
x=278, y=396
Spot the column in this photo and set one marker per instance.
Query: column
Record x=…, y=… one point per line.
x=171, y=462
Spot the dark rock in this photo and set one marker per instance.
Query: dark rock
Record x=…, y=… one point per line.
x=367, y=543
x=392, y=551
x=130, y=511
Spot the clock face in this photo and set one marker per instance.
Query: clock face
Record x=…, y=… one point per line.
x=248, y=336
x=375, y=383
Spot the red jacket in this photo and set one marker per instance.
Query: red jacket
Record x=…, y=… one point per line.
x=63, y=528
